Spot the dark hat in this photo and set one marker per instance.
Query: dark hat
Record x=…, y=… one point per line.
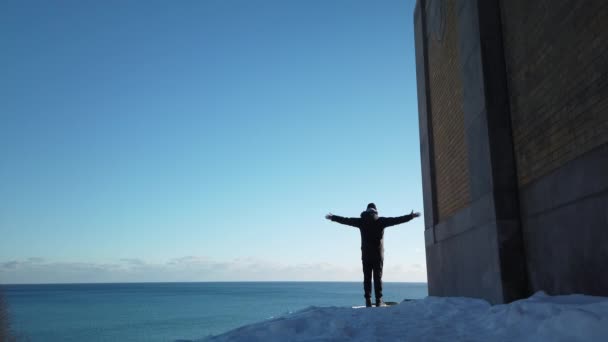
x=372, y=205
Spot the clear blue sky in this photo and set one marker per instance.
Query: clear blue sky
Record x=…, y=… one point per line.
x=205, y=140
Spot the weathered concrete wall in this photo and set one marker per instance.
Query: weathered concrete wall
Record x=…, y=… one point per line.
x=556, y=56
x=534, y=110
x=447, y=114
x=477, y=249
x=565, y=227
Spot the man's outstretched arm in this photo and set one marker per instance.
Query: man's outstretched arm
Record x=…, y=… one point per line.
x=392, y=221
x=349, y=221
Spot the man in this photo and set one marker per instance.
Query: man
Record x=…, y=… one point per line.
x=372, y=247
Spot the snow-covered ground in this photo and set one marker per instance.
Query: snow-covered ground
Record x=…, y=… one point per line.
x=538, y=318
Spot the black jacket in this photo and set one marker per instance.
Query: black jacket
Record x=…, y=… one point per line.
x=372, y=231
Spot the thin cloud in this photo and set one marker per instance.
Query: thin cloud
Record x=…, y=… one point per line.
x=190, y=268
x=11, y=265
x=132, y=262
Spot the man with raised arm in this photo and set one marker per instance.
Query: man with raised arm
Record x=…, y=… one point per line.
x=372, y=227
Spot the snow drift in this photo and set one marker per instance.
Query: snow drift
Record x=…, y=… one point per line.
x=538, y=318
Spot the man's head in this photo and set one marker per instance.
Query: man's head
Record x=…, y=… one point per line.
x=372, y=206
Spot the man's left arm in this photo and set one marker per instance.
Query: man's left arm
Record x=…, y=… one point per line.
x=392, y=221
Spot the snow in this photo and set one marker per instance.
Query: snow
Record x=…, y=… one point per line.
x=538, y=318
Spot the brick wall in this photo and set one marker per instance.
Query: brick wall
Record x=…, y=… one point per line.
x=450, y=156
x=556, y=54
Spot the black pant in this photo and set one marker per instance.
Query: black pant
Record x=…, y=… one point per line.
x=375, y=267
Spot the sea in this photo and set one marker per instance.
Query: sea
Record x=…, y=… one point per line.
x=171, y=311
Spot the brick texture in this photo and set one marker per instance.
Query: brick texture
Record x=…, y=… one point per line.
x=447, y=114
x=556, y=54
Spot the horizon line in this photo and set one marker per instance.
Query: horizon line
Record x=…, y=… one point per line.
x=211, y=281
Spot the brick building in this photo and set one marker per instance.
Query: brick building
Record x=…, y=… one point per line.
x=513, y=105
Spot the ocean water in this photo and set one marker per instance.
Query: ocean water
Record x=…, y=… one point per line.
x=171, y=311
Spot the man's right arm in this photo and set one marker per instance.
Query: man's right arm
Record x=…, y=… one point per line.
x=349, y=221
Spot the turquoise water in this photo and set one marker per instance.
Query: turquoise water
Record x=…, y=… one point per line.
x=171, y=311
